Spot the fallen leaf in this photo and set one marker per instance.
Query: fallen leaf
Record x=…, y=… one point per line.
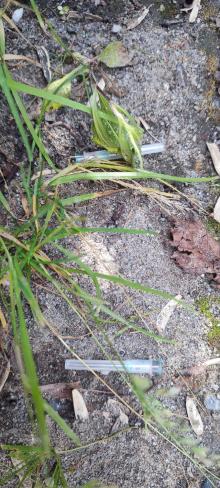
x=195, y=10
x=3, y=320
x=165, y=314
x=115, y=55
x=194, y=416
x=5, y=375
x=79, y=406
x=215, y=155
x=25, y=206
x=197, y=250
x=216, y=211
x=101, y=84
x=138, y=19
x=45, y=62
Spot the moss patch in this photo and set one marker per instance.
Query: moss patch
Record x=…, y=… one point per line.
x=213, y=227
x=204, y=304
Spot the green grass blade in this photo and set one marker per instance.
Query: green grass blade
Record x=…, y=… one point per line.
x=46, y=95
x=29, y=364
x=2, y=38
x=131, y=175
x=146, y=333
x=31, y=129
x=38, y=14
x=26, y=290
x=5, y=204
x=61, y=422
x=60, y=232
x=15, y=113
x=137, y=286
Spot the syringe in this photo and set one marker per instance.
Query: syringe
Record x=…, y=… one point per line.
x=134, y=366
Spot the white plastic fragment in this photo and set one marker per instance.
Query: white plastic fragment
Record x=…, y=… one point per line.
x=116, y=28
x=194, y=416
x=17, y=15
x=79, y=406
x=165, y=314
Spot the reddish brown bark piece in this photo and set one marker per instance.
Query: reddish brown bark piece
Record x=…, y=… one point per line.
x=196, y=250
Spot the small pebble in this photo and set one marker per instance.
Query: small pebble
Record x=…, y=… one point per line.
x=206, y=484
x=217, y=76
x=216, y=102
x=17, y=15
x=116, y=28
x=212, y=403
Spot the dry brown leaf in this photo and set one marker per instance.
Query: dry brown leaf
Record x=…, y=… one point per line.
x=165, y=314
x=137, y=20
x=215, y=155
x=197, y=250
x=195, y=10
x=194, y=416
x=216, y=211
x=5, y=375
x=79, y=406
x=25, y=206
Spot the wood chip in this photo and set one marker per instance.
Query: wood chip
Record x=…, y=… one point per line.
x=25, y=206
x=165, y=314
x=60, y=390
x=79, y=406
x=195, y=10
x=215, y=155
x=137, y=20
x=194, y=416
x=3, y=321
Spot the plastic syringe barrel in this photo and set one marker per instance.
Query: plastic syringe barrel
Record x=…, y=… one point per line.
x=135, y=366
x=157, y=147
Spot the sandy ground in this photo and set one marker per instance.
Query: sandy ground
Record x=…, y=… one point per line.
x=170, y=85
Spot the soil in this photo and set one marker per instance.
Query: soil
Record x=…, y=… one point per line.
x=170, y=84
